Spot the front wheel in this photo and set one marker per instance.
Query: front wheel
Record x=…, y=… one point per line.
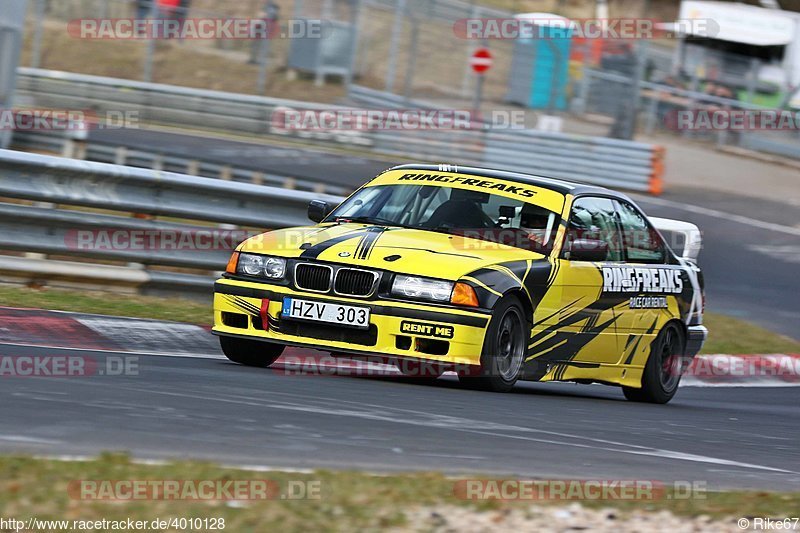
x=662, y=373
x=250, y=353
x=504, y=348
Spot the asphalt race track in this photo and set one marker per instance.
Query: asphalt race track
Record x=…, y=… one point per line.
x=191, y=405
x=212, y=409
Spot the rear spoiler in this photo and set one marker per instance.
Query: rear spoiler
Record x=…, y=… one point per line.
x=692, y=238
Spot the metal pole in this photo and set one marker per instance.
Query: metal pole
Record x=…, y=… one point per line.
x=412, y=59
x=471, y=47
x=12, y=25
x=271, y=19
x=151, y=45
x=36, y=53
x=583, y=91
x=641, y=68
x=356, y=18
x=652, y=113
x=752, y=79
x=327, y=10
x=476, y=103
x=263, y=62
x=394, y=44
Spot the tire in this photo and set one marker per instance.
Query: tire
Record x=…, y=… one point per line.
x=504, y=348
x=662, y=373
x=250, y=353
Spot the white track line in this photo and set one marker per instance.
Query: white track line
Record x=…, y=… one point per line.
x=729, y=217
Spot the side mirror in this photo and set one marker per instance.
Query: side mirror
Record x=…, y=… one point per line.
x=587, y=250
x=318, y=210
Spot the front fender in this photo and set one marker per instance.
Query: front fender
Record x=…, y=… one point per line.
x=530, y=278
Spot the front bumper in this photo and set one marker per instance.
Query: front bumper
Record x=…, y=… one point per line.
x=695, y=338
x=397, y=329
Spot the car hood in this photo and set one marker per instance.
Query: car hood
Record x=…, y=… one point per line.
x=414, y=251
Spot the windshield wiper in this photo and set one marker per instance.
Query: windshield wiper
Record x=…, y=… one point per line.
x=370, y=220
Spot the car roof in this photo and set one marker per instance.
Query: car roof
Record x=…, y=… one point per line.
x=554, y=184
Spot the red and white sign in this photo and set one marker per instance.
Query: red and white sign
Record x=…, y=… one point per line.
x=481, y=60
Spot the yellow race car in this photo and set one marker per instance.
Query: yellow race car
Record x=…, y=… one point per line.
x=496, y=275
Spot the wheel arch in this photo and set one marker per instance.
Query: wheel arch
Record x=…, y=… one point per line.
x=528, y=305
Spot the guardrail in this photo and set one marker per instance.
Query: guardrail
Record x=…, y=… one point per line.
x=154, y=102
x=598, y=160
x=158, y=103
x=375, y=99
x=602, y=161
x=71, y=187
x=95, y=150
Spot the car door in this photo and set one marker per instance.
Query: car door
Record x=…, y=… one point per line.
x=587, y=313
x=651, y=281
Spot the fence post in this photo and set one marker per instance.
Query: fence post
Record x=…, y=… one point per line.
x=652, y=112
x=147, y=75
x=355, y=36
x=583, y=91
x=468, y=75
x=263, y=65
x=394, y=44
x=12, y=26
x=412, y=59
x=36, y=53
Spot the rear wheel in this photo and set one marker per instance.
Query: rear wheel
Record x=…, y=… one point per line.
x=504, y=348
x=662, y=373
x=250, y=353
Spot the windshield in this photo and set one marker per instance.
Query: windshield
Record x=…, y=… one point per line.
x=475, y=214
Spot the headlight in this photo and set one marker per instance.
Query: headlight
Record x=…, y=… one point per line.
x=262, y=266
x=422, y=288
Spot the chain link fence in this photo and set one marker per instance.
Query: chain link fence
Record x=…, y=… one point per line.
x=411, y=48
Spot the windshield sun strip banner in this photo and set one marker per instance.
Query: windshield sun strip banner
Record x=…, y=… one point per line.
x=546, y=198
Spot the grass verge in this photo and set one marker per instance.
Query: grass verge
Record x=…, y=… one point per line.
x=726, y=334
x=113, y=304
x=346, y=500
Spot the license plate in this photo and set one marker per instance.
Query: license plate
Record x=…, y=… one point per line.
x=345, y=315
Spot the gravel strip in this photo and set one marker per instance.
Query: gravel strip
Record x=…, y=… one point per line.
x=555, y=519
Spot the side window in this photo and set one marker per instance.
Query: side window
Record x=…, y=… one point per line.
x=642, y=243
x=595, y=219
